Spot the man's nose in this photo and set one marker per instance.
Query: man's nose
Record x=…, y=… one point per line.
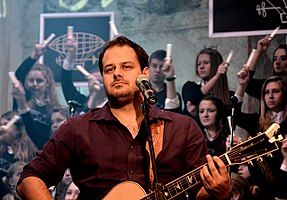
x=118, y=72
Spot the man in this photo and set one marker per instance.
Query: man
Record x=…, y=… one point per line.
x=162, y=77
x=106, y=147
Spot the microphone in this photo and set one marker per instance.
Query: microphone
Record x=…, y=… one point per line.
x=74, y=104
x=144, y=85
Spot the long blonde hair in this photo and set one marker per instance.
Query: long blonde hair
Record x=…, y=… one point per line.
x=50, y=92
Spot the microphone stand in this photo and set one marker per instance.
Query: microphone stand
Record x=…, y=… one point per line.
x=157, y=186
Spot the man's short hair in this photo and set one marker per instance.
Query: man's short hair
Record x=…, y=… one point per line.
x=159, y=54
x=120, y=41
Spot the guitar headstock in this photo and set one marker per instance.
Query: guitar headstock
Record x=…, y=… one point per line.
x=256, y=147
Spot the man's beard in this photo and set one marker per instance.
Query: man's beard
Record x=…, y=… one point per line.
x=118, y=100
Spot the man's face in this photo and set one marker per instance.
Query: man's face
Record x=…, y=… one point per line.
x=156, y=75
x=120, y=70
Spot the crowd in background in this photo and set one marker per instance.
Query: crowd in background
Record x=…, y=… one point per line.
x=217, y=110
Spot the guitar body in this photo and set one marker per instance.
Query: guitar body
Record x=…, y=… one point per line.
x=127, y=190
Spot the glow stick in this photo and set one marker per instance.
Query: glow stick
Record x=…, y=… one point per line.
x=114, y=28
x=250, y=57
x=82, y=70
x=12, y=121
x=274, y=32
x=70, y=31
x=13, y=77
x=229, y=57
x=49, y=39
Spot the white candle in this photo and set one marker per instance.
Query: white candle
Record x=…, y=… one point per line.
x=49, y=39
x=274, y=32
x=70, y=31
x=13, y=77
x=82, y=70
x=12, y=121
x=229, y=56
x=168, y=51
x=250, y=57
x=114, y=28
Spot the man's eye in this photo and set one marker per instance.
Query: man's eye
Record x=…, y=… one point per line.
x=108, y=70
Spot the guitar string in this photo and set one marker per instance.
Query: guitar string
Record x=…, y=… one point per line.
x=171, y=187
x=196, y=175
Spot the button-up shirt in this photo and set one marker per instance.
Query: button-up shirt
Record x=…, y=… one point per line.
x=101, y=152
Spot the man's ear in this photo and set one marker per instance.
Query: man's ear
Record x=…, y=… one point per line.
x=145, y=71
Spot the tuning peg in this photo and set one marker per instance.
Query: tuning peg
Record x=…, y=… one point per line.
x=260, y=159
x=270, y=155
x=250, y=163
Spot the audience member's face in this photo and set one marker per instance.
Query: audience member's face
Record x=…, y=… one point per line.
x=203, y=66
x=156, y=75
x=57, y=119
x=67, y=176
x=120, y=70
x=36, y=83
x=207, y=114
x=273, y=96
x=244, y=171
x=72, y=192
x=280, y=61
x=8, y=136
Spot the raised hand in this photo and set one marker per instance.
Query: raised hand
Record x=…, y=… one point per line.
x=38, y=51
x=222, y=68
x=243, y=75
x=168, y=68
x=263, y=44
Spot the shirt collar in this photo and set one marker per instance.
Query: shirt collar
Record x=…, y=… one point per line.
x=104, y=113
x=277, y=117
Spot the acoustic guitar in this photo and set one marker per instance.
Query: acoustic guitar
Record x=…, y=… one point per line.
x=253, y=148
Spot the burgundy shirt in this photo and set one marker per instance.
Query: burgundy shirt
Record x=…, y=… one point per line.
x=101, y=152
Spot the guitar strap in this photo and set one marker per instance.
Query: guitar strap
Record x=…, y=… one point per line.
x=157, y=129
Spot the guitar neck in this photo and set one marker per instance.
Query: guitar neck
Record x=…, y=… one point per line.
x=256, y=147
x=183, y=183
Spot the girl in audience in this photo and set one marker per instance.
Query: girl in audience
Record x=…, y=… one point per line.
x=15, y=144
x=273, y=108
x=213, y=121
x=279, y=65
x=211, y=70
x=59, y=116
x=67, y=191
x=35, y=97
x=14, y=173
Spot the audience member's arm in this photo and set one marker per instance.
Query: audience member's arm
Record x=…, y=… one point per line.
x=69, y=90
x=262, y=46
x=207, y=87
x=172, y=98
